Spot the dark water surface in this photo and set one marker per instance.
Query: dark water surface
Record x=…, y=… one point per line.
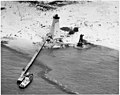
x=94, y=75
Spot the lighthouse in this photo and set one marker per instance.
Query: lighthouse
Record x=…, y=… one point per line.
x=55, y=29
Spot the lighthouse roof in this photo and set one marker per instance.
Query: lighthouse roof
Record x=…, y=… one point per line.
x=56, y=16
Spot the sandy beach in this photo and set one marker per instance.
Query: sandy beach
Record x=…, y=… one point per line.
x=87, y=71
x=97, y=20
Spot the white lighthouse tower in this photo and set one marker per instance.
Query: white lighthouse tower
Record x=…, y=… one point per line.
x=55, y=29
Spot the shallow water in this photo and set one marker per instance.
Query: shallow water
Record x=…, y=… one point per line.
x=12, y=64
x=94, y=75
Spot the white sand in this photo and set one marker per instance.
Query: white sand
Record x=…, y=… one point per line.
x=98, y=21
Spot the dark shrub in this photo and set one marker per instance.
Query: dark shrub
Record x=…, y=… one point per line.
x=75, y=29
x=3, y=8
x=71, y=32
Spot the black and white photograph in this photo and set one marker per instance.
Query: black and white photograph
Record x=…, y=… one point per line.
x=59, y=47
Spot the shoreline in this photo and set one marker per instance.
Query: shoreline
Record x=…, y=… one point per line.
x=100, y=26
x=25, y=24
x=45, y=74
x=28, y=45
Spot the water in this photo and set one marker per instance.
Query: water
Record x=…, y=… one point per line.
x=12, y=64
x=85, y=71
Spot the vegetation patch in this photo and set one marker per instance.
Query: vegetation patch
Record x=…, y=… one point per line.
x=3, y=8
